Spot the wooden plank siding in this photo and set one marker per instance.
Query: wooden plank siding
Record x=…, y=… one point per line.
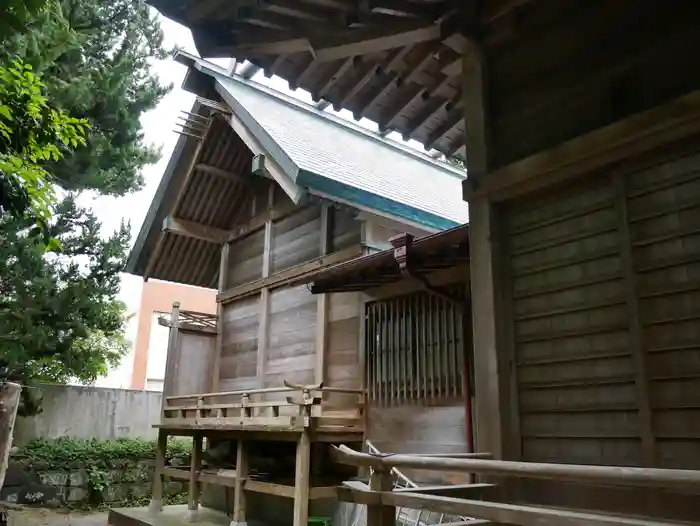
x=292, y=336
x=238, y=368
x=603, y=281
x=270, y=334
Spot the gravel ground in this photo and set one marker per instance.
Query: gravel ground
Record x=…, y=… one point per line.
x=44, y=517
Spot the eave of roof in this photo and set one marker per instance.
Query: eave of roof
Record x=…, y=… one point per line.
x=183, y=147
x=381, y=268
x=399, y=67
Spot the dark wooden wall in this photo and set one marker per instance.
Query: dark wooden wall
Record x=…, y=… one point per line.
x=603, y=300
x=572, y=67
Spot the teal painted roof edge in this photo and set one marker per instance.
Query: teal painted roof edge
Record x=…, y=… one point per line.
x=314, y=181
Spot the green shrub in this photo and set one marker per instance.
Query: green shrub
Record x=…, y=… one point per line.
x=66, y=453
x=104, y=462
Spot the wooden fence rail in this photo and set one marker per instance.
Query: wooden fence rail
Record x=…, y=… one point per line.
x=241, y=409
x=382, y=501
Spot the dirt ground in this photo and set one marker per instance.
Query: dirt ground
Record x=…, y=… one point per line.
x=44, y=517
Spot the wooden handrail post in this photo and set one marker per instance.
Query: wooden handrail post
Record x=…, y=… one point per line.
x=195, y=465
x=380, y=514
x=156, y=504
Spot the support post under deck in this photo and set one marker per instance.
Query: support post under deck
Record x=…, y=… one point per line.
x=239, y=517
x=195, y=465
x=302, y=480
x=156, y=504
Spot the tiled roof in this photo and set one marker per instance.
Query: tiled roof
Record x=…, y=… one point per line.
x=340, y=158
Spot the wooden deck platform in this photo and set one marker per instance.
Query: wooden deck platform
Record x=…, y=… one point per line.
x=304, y=415
x=170, y=516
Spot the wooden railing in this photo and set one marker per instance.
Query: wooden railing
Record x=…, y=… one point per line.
x=382, y=500
x=253, y=408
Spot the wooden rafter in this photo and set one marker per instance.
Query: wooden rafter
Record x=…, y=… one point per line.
x=375, y=41
x=391, y=78
x=331, y=77
x=182, y=227
x=400, y=8
x=430, y=110
x=443, y=129
x=220, y=172
x=415, y=92
x=304, y=74
x=386, y=69
x=298, y=10
x=368, y=73
x=272, y=70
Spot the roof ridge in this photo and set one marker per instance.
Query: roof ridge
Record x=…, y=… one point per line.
x=312, y=110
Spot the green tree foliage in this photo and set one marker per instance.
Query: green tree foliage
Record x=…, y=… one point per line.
x=31, y=134
x=95, y=57
x=59, y=313
x=14, y=13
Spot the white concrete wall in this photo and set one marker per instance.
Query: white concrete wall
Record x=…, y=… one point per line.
x=157, y=353
x=91, y=412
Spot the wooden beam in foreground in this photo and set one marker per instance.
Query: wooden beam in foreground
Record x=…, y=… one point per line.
x=182, y=227
x=497, y=512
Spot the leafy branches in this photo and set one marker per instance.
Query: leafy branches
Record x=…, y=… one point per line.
x=31, y=134
x=96, y=58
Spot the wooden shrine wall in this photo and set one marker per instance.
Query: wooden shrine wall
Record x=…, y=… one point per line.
x=189, y=362
x=602, y=311
x=272, y=328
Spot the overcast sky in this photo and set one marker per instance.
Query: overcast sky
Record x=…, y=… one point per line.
x=158, y=126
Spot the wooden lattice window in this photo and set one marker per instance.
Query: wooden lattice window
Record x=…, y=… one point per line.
x=414, y=349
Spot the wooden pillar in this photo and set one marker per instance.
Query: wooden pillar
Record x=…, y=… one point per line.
x=265, y=292
x=302, y=480
x=379, y=514
x=239, y=517
x=195, y=465
x=485, y=312
x=156, y=504
x=172, y=357
x=484, y=243
x=223, y=269
x=322, y=299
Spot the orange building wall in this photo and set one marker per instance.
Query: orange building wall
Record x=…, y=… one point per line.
x=158, y=296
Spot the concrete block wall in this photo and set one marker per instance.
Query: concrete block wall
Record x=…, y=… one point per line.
x=91, y=412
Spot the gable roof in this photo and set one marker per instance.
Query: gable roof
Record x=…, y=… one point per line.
x=308, y=153
x=334, y=158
